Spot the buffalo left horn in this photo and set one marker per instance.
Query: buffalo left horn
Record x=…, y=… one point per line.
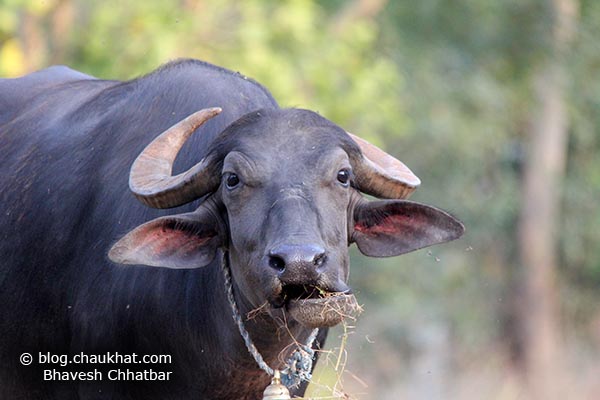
x=381, y=175
x=151, y=177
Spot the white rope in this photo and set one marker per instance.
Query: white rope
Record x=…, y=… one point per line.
x=298, y=366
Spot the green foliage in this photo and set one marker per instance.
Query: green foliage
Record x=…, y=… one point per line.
x=297, y=55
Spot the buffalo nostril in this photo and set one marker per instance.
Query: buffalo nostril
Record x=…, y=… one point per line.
x=296, y=259
x=319, y=259
x=276, y=262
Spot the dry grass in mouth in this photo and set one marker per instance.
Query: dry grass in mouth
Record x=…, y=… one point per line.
x=328, y=306
x=303, y=292
x=344, y=310
x=324, y=311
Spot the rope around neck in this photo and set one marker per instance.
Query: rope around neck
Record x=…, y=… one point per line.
x=298, y=366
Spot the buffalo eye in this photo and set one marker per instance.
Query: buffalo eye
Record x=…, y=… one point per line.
x=232, y=181
x=343, y=177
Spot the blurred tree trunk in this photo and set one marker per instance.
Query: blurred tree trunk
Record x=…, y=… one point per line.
x=61, y=24
x=543, y=175
x=31, y=37
x=44, y=35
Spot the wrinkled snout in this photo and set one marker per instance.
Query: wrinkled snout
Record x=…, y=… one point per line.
x=309, y=292
x=298, y=263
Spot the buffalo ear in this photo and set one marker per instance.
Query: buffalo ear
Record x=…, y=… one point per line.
x=176, y=241
x=393, y=227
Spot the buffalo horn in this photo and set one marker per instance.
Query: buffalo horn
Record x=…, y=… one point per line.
x=151, y=177
x=381, y=175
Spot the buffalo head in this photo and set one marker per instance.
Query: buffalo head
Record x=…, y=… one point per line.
x=283, y=196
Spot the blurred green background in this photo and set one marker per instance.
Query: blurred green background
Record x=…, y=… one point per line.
x=494, y=104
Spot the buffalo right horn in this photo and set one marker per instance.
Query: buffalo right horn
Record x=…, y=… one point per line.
x=151, y=177
x=381, y=175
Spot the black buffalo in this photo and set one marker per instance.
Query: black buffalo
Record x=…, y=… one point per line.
x=276, y=193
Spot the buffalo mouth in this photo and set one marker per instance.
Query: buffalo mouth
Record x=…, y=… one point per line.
x=315, y=307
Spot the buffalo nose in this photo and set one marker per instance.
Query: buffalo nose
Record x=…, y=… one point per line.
x=296, y=257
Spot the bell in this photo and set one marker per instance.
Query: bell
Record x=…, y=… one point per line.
x=276, y=390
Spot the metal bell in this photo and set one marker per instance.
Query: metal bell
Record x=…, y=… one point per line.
x=276, y=390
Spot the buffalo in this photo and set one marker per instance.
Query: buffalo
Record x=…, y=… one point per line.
x=238, y=207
